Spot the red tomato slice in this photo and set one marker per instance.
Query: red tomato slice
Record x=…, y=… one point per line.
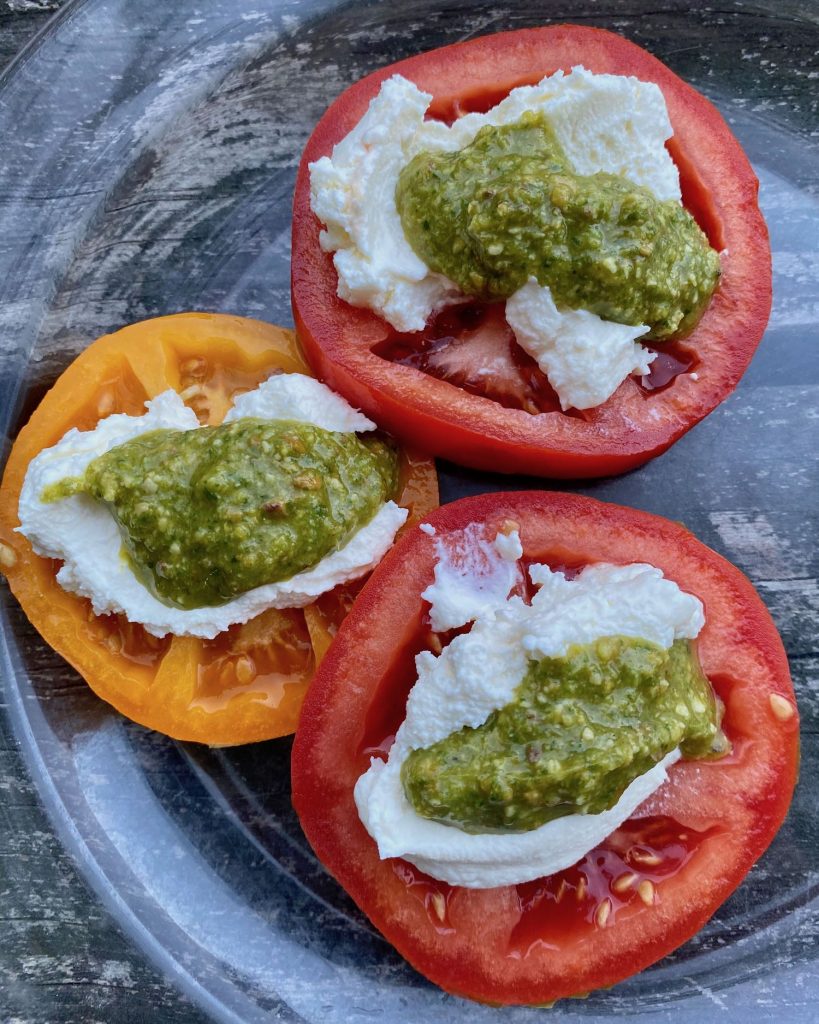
x=654, y=881
x=360, y=355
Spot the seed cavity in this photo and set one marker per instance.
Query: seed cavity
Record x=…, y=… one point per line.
x=105, y=404
x=194, y=367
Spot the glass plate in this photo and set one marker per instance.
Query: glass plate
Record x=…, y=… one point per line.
x=150, y=152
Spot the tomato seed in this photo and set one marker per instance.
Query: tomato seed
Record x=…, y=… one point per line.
x=645, y=890
x=245, y=670
x=193, y=367
x=105, y=404
x=623, y=882
x=8, y=556
x=781, y=707
x=645, y=859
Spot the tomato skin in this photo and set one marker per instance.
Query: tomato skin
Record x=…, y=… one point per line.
x=719, y=187
x=247, y=684
x=465, y=940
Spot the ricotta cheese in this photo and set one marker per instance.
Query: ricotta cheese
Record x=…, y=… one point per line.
x=478, y=672
x=473, y=575
x=83, y=534
x=292, y=396
x=584, y=357
x=610, y=123
x=353, y=194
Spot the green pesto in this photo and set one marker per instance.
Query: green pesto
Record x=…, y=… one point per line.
x=580, y=729
x=509, y=206
x=208, y=514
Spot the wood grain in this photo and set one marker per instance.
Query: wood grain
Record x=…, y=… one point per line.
x=63, y=959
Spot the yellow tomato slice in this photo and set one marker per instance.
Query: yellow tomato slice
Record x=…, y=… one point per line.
x=248, y=684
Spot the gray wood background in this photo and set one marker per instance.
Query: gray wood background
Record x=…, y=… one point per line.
x=63, y=960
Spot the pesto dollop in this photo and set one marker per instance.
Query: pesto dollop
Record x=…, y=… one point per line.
x=208, y=514
x=509, y=206
x=580, y=729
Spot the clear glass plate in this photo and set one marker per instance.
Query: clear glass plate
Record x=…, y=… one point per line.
x=149, y=157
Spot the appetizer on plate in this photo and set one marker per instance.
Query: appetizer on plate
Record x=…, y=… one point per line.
x=575, y=734
x=538, y=251
x=187, y=515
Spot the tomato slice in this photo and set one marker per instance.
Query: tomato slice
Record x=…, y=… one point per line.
x=654, y=881
x=517, y=426
x=248, y=684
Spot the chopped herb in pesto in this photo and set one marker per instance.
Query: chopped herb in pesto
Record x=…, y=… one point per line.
x=509, y=206
x=210, y=513
x=580, y=729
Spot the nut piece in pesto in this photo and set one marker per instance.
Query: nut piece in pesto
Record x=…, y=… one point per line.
x=580, y=729
x=509, y=206
x=208, y=514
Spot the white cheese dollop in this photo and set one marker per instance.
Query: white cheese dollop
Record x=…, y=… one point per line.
x=610, y=123
x=473, y=575
x=353, y=194
x=584, y=357
x=292, y=396
x=83, y=534
x=477, y=673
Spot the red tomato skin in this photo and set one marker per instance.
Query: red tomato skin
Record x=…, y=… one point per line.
x=742, y=799
x=719, y=187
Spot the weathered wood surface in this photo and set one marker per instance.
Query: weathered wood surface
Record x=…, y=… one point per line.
x=63, y=959
x=196, y=216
